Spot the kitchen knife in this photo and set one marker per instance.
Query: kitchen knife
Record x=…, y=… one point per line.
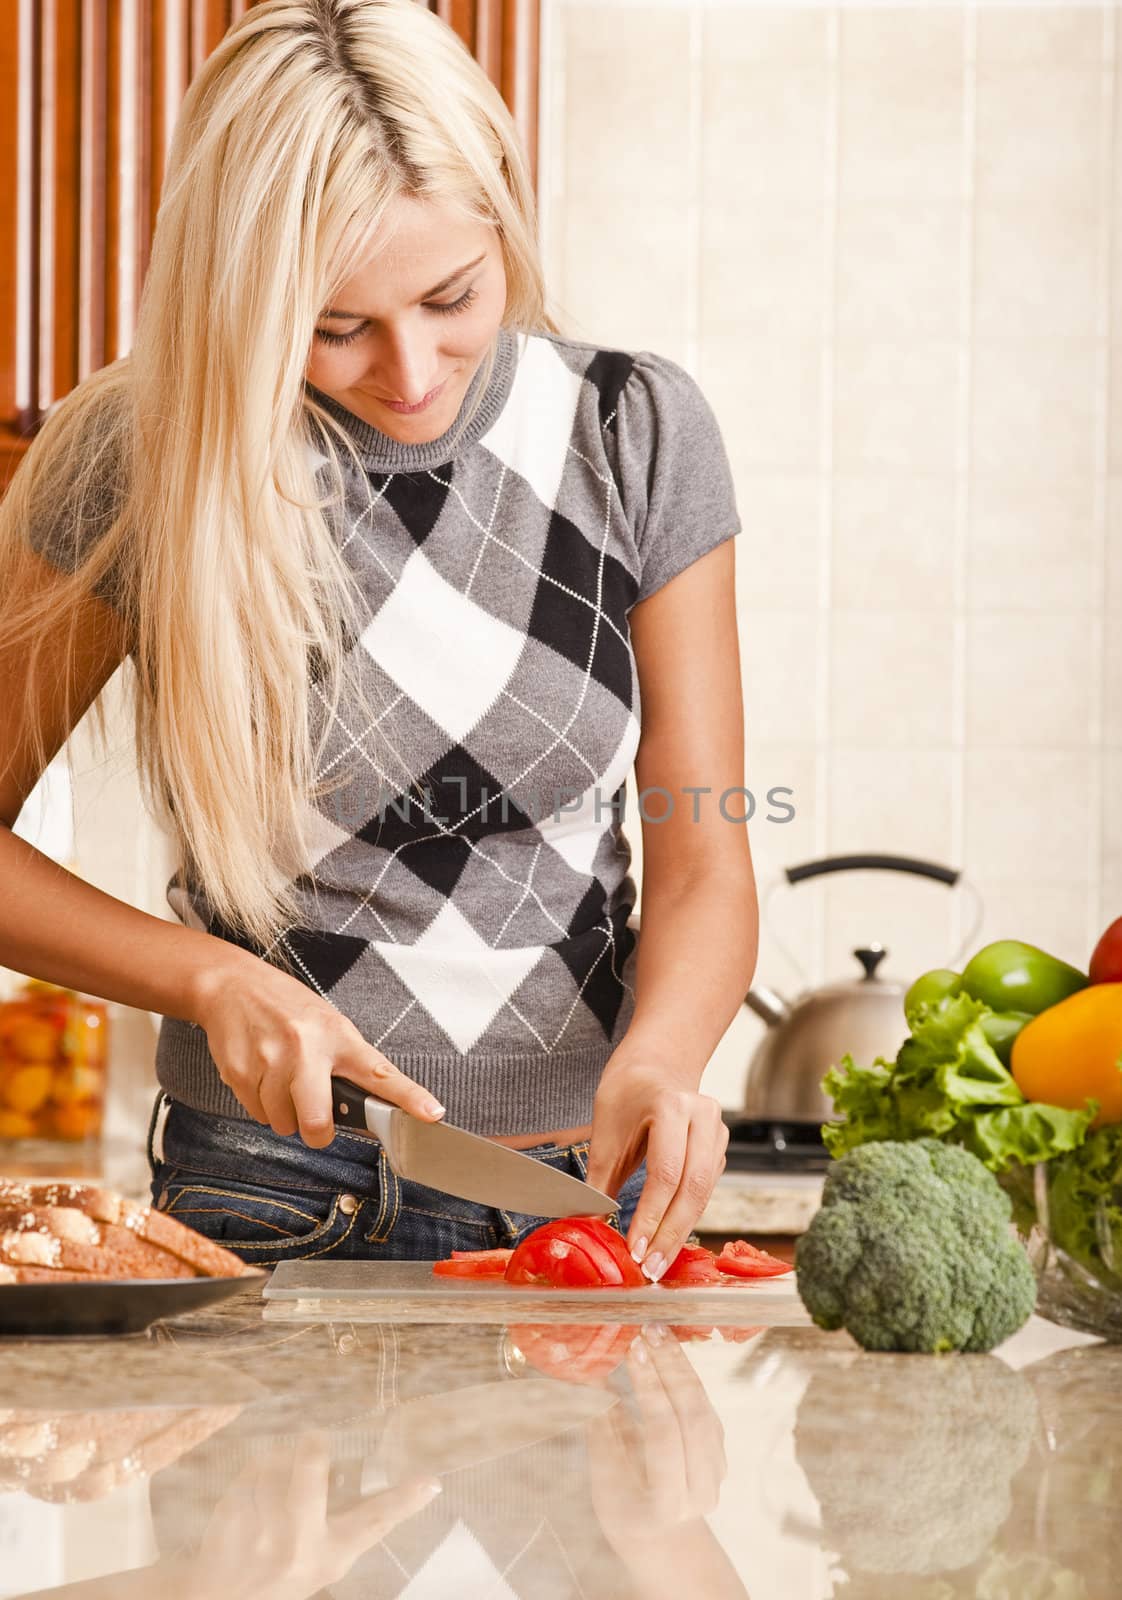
x=465, y=1164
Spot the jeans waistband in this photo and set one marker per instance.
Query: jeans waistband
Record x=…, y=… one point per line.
x=243, y=1148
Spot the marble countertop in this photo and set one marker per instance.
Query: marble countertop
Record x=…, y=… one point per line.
x=224, y=1454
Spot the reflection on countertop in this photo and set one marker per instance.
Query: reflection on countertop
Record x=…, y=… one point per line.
x=223, y=1456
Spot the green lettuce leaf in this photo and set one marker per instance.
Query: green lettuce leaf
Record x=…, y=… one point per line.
x=947, y=1082
x=1085, y=1204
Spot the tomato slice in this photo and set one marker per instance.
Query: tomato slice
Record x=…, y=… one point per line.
x=473, y=1264
x=582, y=1352
x=692, y=1266
x=574, y=1253
x=744, y=1260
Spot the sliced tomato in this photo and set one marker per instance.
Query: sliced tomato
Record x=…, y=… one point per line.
x=582, y=1352
x=574, y=1253
x=744, y=1260
x=473, y=1264
x=738, y=1335
x=692, y=1266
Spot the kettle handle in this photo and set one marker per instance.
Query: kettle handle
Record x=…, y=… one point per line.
x=951, y=876
x=824, y=864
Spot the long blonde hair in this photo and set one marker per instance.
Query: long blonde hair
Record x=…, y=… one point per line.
x=188, y=459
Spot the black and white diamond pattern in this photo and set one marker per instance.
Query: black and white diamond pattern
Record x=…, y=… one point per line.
x=489, y=913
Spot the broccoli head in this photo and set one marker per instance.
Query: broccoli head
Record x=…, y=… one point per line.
x=912, y=1250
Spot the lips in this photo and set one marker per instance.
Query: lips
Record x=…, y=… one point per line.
x=398, y=405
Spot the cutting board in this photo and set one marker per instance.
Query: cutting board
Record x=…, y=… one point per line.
x=409, y=1291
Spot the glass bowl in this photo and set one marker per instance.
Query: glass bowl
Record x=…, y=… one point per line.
x=1074, y=1245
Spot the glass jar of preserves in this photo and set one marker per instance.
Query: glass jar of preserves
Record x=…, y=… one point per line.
x=54, y=1056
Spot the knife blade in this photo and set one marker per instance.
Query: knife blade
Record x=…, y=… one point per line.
x=465, y=1164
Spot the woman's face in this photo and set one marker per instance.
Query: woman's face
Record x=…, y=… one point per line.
x=411, y=321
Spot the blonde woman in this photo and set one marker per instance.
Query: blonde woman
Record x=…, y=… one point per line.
x=408, y=580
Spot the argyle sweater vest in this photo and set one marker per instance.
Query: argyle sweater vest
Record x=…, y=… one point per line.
x=479, y=932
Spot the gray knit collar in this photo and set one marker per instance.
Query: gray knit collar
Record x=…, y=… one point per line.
x=382, y=453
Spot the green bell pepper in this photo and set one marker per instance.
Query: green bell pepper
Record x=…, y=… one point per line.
x=1009, y=975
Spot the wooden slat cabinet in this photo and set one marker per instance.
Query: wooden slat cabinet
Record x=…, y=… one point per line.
x=89, y=93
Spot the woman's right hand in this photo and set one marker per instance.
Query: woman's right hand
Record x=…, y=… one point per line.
x=277, y=1045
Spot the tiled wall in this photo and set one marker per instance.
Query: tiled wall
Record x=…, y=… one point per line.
x=885, y=241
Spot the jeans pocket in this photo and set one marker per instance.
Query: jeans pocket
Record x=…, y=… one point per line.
x=259, y=1224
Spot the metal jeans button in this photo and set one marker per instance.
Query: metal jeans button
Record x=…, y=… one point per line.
x=348, y=1204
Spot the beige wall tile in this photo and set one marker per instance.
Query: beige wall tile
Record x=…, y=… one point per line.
x=1034, y=408
x=772, y=36
x=1051, y=35
x=1112, y=818
x=927, y=37
x=1055, y=916
x=1038, y=131
x=901, y=124
x=1112, y=694
x=1028, y=816
x=898, y=268
x=895, y=405
x=779, y=547
x=779, y=665
x=1036, y=261
x=893, y=543
x=761, y=269
x=911, y=917
x=1113, y=575
x=1032, y=546
x=878, y=800
x=763, y=130
x=1114, y=420
x=1029, y=681
x=626, y=103
x=642, y=296
x=766, y=393
x=1109, y=903
x=890, y=679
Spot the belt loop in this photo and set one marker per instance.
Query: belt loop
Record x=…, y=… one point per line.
x=159, y=1121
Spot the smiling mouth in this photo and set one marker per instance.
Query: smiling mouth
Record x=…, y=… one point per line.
x=401, y=405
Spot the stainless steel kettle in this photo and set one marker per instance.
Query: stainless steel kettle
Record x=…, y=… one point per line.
x=864, y=1015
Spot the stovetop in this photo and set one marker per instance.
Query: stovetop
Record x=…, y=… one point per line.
x=761, y=1145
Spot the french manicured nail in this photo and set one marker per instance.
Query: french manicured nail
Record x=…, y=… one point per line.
x=640, y=1353
x=640, y=1250
x=654, y=1266
x=434, y=1487
x=434, y=1108
x=654, y=1333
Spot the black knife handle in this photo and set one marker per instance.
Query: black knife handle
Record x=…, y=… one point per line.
x=348, y=1104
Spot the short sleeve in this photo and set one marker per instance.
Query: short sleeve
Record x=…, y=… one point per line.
x=673, y=470
x=74, y=507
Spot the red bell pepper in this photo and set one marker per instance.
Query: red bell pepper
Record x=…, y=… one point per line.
x=1106, y=962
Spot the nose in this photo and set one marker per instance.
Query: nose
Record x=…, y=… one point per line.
x=403, y=366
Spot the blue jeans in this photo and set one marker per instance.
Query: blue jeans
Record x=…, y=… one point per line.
x=270, y=1197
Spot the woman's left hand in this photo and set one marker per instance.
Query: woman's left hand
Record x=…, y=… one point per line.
x=642, y=1109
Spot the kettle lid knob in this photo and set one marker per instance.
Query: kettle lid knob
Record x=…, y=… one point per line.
x=870, y=957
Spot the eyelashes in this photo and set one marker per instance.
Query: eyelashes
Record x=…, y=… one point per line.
x=467, y=299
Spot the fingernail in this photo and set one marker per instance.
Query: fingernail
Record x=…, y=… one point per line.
x=640, y=1250
x=434, y=1108
x=654, y=1333
x=640, y=1353
x=434, y=1487
x=654, y=1266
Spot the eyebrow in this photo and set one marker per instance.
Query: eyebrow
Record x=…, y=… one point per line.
x=445, y=283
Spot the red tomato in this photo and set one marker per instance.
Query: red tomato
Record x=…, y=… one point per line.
x=1106, y=962
x=473, y=1264
x=739, y=1335
x=575, y=1253
x=693, y=1265
x=583, y=1352
x=744, y=1260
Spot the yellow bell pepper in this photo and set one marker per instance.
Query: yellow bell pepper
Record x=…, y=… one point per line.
x=1072, y=1052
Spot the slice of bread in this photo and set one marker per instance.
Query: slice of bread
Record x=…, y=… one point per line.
x=80, y=1227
